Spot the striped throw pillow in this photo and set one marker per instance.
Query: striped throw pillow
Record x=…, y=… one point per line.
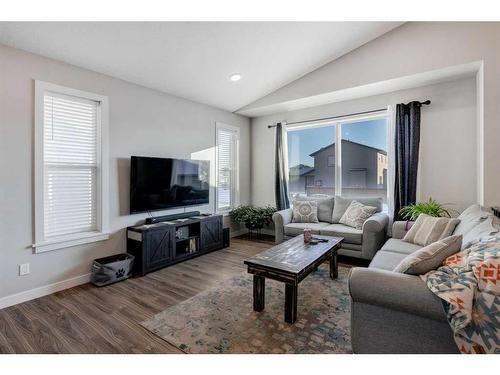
x=428, y=229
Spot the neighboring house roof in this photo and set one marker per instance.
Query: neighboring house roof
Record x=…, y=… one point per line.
x=300, y=170
x=346, y=140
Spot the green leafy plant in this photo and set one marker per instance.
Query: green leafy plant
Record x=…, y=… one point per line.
x=431, y=208
x=254, y=218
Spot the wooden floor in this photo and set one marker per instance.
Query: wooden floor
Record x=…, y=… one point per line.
x=86, y=319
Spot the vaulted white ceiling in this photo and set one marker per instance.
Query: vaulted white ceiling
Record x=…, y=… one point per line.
x=194, y=60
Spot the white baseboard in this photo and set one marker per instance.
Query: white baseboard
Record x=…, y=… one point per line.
x=28, y=295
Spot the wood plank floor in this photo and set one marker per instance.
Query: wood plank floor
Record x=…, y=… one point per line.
x=86, y=319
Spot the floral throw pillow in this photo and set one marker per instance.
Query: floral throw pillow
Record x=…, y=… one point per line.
x=356, y=215
x=305, y=212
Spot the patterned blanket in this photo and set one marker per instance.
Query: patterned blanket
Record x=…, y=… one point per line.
x=469, y=285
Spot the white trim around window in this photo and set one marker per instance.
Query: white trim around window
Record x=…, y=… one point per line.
x=227, y=167
x=47, y=234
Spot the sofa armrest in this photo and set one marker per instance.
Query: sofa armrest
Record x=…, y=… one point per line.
x=374, y=234
x=394, y=291
x=280, y=219
x=376, y=223
x=400, y=228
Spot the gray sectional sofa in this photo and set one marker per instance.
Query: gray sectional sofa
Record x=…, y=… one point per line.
x=396, y=313
x=360, y=243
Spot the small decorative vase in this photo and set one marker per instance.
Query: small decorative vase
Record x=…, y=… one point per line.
x=307, y=235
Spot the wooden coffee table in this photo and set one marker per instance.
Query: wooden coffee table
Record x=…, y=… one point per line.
x=290, y=262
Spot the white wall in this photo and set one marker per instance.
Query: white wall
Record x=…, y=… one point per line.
x=413, y=48
x=447, y=147
x=142, y=122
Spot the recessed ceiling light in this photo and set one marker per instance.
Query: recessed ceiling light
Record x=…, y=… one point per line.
x=235, y=77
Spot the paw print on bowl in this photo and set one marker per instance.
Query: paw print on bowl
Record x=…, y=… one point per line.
x=120, y=273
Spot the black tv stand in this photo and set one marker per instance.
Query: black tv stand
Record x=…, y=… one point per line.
x=182, y=215
x=167, y=242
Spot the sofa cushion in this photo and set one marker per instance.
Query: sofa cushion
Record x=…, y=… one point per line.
x=351, y=235
x=386, y=260
x=469, y=218
x=399, y=246
x=356, y=214
x=430, y=257
x=341, y=204
x=295, y=229
x=479, y=232
x=428, y=229
x=325, y=207
x=305, y=212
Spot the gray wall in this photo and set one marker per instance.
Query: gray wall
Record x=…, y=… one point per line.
x=142, y=122
x=448, y=149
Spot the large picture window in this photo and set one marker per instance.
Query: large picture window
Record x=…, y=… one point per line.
x=346, y=157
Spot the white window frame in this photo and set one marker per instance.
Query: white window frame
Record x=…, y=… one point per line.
x=235, y=189
x=102, y=233
x=338, y=122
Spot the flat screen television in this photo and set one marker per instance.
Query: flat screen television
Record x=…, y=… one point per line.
x=160, y=183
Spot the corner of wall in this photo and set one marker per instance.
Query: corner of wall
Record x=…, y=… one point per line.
x=480, y=133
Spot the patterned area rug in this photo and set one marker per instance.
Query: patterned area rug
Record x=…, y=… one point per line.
x=222, y=320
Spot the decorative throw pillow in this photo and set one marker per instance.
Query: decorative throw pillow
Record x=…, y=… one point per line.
x=341, y=205
x=429, y=257
x=428, y=229
x=325, y=207
x=356, y=214
x=305, y=212
x=469, y=218
x=479, y=232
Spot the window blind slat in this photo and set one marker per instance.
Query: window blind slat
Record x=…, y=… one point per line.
x=226, y=168
x=70, y=165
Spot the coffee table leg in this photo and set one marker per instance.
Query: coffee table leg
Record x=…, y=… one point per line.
x=259, y=290
x=290, y=303
x=334, y=267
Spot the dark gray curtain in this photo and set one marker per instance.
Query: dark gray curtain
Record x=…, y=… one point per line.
x=407, y=132
x=280, y=180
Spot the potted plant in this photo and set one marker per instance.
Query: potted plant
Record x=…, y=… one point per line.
x=431, y=208
x=254, y=218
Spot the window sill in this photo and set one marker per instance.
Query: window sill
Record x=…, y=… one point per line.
x=223, y=212
x=69, y=241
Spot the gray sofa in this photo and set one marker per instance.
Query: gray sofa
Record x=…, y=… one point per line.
x=397, y=313
x=393, y=312
x=360, y=243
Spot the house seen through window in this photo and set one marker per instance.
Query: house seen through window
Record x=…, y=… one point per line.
x=347, y=158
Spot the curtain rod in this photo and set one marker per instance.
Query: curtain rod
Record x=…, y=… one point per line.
x=427, y=102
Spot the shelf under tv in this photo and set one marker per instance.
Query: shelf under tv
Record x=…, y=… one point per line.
x=186, y=238
x=155, y=245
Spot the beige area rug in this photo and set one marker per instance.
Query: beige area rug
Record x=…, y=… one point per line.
x=222, y=320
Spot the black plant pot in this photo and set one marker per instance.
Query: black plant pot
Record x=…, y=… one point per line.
x=252, y=230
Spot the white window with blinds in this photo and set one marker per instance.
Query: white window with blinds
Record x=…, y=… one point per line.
x=227, y=161
x=70, y=167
